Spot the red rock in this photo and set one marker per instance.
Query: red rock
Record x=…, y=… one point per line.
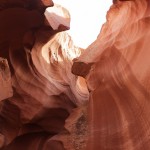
x=44, y=89
x=48, y=107
x=5, y=80
x=118, y=111
x=58, y=17
x=39, y=5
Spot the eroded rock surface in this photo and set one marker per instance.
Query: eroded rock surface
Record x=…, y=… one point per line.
x=118, y=111
x=46, y=81
x=37, y=89
x=5, y=80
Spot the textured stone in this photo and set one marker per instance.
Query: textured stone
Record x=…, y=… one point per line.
x=51, y=106
x=58, y=17
x=118, y=111
x=5, y=80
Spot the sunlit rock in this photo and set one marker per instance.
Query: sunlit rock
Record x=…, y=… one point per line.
x=119, y=79
x=58, y=17
x=45, y=91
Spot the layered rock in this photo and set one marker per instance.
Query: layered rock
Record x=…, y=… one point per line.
x=44, y=78
x=44, y=91
x=118, y=74
x=5, y=80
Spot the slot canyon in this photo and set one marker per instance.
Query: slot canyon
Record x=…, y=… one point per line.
x=58, y=95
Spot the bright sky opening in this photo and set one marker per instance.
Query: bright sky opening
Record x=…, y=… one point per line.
x=87, y=17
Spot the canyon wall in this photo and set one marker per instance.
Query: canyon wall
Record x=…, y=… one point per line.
x=118, y=77
x=55, y=95
x=37, y=89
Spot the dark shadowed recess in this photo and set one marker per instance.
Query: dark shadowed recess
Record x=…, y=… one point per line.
x=32, y=135
x=34, y=141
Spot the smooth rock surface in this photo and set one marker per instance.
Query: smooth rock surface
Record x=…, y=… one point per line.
x=6, y=90
x=55, y=95
x=119, y=79
x=38, y=70
x=57, y=16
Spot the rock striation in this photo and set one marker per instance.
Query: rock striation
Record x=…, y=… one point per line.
x=37, y=89
x=55, y=95
x=118, y=74
x=5, y=80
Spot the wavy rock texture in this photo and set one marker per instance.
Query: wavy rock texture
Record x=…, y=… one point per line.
x=5, y=80
x=118, y=77
x=38, y=92
x=46, y=81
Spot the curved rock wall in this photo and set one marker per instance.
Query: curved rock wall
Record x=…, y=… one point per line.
x=118, y=77
x=55, y=95
x=37, y=89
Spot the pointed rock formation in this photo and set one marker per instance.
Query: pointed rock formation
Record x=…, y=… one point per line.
x=58, y=17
